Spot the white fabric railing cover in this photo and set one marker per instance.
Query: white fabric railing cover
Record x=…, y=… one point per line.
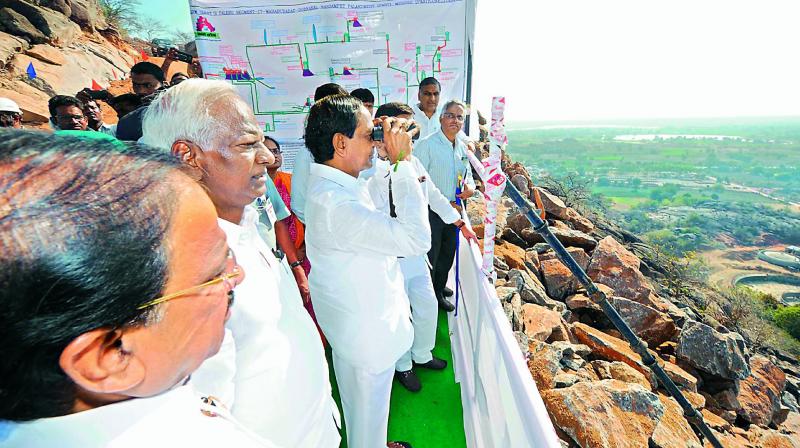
x=502, y=406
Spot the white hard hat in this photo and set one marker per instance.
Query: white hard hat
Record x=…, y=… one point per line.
x=7, y=105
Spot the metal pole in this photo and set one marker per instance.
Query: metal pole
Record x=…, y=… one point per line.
x=639, y=346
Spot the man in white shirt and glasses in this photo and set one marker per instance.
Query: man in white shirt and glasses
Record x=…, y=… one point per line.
x=356, y=284
x=280, y=385
x=444, y=156
x=117, y=284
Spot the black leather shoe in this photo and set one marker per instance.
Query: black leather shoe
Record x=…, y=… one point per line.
x=409, y=380
x=433, y=364
x=397, y=444
x=445, y=304
x=447, y=292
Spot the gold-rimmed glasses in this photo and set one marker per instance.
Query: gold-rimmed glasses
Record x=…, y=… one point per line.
x=237, y=271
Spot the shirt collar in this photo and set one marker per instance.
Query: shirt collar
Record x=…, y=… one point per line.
x=334, y=175
x=249, y=217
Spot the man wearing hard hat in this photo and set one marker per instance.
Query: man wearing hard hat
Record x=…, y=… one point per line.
x=10, y=114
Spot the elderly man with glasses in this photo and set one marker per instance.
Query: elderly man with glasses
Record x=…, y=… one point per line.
x=444, y=156
x=112, y=296
x=280, y=381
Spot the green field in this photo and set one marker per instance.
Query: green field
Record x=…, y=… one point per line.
x=645, y=172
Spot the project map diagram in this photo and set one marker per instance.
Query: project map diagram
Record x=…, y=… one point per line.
x=278, y=61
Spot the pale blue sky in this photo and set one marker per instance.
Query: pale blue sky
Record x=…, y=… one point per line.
x=616, y=59
x=172, y=13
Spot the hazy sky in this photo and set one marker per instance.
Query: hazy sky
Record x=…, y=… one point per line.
x=609, y=59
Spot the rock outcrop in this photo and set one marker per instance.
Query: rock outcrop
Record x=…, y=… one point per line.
x=68, y=43
x=596, y=388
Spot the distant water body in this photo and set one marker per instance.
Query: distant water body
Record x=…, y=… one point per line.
x=645, y=137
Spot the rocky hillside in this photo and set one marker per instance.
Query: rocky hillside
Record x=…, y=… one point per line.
x=69, y=44
x=596, y=389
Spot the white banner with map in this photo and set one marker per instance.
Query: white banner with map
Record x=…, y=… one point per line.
x=276, y=52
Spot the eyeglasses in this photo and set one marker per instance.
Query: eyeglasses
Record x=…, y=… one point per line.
x=237, y=271
x=70, y=117
x=450, y=116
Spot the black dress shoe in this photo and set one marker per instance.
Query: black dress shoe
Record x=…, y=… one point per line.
x=445, y=304
x=447, y=292
x=409, y=380
x=397, y=443
x=433, y=364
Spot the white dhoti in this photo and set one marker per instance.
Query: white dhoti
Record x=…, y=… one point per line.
x=365, y=402
x=424, y=311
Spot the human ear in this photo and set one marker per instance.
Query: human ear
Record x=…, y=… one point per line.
x=186, y=152
x=98, y=362
x=339, y=144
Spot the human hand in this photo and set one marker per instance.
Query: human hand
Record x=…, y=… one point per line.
x=396, y=137
x=302, y=283
x=468, y=234
x=172, y=54
x=466, y=193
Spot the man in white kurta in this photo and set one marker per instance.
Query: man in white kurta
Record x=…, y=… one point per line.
x=178, y=417
x=357, y=287
x=281, y=383
x=416, y=273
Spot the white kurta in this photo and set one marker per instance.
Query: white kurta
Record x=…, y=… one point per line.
x=417, y=277
x=172, y=419
x=281, y=384
x=357, y=288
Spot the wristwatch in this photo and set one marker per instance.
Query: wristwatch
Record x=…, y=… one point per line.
x=296, y=264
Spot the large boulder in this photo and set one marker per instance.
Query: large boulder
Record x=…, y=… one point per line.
x=759, y=394
x=605, y=414
x=579, y=222
x=617, y=267
x=558, y=279
x=57, y=27
x=86, y=13
x=673, y=431
x=578, y=254
x=680, y=377
x=16, y=24
x=47, y=53
x=568, y=237
x=648, y=323
x=531, y=290
x=10, y=45
x=611, y=349
x=553, y=205
x=619, y=371
x=712, y=352
x=512, y=255
x=60, y=6
x=544, y=364
x=538, y=322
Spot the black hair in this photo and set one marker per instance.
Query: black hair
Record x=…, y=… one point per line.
x=277, y=145
x=328, y=89
x=430, y=81
x=178, y=74
x=365, y=95
x=63, y=100
x=148, y=68
x=126, y=98
x=394, y=109
x=82, y=227
x=335, y=114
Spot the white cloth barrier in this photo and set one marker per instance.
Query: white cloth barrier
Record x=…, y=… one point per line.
x=502, y=406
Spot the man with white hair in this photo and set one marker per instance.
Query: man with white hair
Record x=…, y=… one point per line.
x=280, y=386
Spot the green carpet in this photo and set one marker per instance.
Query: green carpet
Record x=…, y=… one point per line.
x=432, y=417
